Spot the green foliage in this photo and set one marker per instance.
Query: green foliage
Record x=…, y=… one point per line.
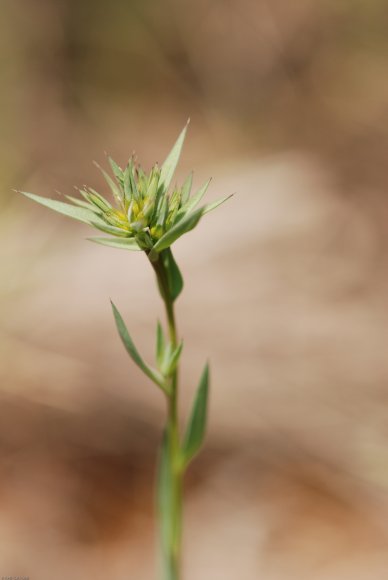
x=122, y=243
x=196, y=427
x=170, y=359
x=81, y=214
x=186, y=188
x=145, y=211
x=193, y=201
x=182, y=227
x=186, y=224
x=115, y=189
x=167, y=355
x=210, y=206
x=171, y=161
x=145, y=215
x=132, y=351
x=174, y=276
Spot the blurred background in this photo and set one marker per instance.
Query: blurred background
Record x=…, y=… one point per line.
x=286, y=287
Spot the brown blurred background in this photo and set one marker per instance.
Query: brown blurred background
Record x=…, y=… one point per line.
x=286, y=287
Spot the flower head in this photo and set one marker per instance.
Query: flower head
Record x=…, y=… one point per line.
x=143, y=214
x=142, y=208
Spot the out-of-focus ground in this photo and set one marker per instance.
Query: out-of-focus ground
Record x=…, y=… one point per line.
x=286, y=288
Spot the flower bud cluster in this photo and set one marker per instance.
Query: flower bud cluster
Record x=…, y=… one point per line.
x=142, y=209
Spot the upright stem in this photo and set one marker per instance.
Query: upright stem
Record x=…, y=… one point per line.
x=172, y=548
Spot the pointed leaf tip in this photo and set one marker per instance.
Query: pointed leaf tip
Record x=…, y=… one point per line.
x=171, y=161
x=80, y=214
x=113, y=186
x=195, y=199
x=214, y=204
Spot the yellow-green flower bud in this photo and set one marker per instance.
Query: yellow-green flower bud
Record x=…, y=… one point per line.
x=156, y=232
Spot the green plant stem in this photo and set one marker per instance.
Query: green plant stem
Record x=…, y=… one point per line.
x=172, y=547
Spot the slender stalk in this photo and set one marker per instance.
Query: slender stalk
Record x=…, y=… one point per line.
x=173, y=515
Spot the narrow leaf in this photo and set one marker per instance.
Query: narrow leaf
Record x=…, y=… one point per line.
x=84, y=204
x=211, y=206
x=186, y=188
x=109, y=229
x=117, y=171
x=121, y=243
x=187, y=223
x=112, y=184
x=162, y=212
x=97, y=199
x=127, y=183
x=132, y=351
x=80, y=214
x=195, y=432
x=174, y=276
x=152, y=188
x=169, y=165
x=131, y=175
x=195, y=199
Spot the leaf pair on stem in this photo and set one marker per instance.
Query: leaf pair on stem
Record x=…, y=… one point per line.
x=167, y=359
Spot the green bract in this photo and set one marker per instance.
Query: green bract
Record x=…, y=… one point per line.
x=143, y=214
